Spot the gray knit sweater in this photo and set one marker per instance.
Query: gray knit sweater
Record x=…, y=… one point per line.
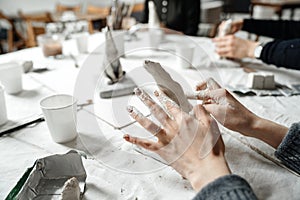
x=233, y=187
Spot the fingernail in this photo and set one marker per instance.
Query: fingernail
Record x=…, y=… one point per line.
x=130, y=109
x=137, y=91
x=126, y=137
x=200, y=93
x=168, y=103
x=156, y=93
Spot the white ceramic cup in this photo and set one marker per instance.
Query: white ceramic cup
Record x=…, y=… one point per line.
x=3, y=113
x=155, y=37
x=185, y=54
x=82, y=41
x=11, y=77
x=118, y=37
x=60, y=114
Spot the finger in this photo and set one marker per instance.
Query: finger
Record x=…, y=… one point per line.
x=218, y=95
x=172, y=108
x=224, y=50
x=200, y=112
x=210, y=84
x=211, y=108
x=221, y=45
x=150, y=126
x=218, y=39
x=155, y=109
x=146, y=144
x=203, y=95
x=224, y=54
x=223, y=41
x=201, y=86
x=217, y=111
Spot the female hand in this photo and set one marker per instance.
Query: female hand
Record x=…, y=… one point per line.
x=190, y=144
x=223, y=106
x=231, y=46
x=234, y=116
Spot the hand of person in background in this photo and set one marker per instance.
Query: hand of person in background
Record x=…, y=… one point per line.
x=191, y=144
x=235, y=26
x=233, y=115
x=231, y=46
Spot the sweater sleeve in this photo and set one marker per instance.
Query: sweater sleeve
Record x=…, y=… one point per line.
x=289, y=149
x=282, y=53
x=192, y=17
x=230, y=187
x=277, y=29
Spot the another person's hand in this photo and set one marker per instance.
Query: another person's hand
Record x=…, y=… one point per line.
x=231, y=46
x=235, y=26
x=234, y=116
x=224, y=107
x=190, y=144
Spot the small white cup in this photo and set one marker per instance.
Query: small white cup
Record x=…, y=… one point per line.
x=60, y=114
x=3, y=113
x=82, y=41
x=185, y=54
x=11, y=77
x=155, y=37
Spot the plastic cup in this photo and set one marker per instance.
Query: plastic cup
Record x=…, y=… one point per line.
x=155, y=37
x=3, y=113
x=51, y=44
x=60, y=114
x=82, y=41
x=11, y=77
x=185, y=54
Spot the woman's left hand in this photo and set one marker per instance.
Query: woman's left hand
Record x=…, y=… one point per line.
x=190, y=144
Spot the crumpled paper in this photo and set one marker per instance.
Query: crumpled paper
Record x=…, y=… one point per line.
x=47, y=180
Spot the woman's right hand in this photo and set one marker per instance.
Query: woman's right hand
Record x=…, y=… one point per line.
x=233, y=115
x=224, y=107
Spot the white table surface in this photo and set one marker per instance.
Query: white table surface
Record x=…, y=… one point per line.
x=114, y=169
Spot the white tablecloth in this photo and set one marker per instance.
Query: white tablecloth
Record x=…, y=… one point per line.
x=110, y=174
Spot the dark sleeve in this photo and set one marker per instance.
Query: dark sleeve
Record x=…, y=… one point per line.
x=145, y=15
x=289, y=149
x=230, y=187
x=277, y=29
x=282, y=53
x=192, y=10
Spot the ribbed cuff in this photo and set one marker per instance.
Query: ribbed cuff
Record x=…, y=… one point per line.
x=289, y=149
x=229, y=187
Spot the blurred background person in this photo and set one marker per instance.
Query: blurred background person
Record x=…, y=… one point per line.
x=178, y=15
x=283, y=51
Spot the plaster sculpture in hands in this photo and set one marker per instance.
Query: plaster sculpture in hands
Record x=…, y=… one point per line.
x=170, y=87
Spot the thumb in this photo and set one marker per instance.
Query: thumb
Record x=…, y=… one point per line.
x=211, y=108
x=200, y=112
x=217, y=112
